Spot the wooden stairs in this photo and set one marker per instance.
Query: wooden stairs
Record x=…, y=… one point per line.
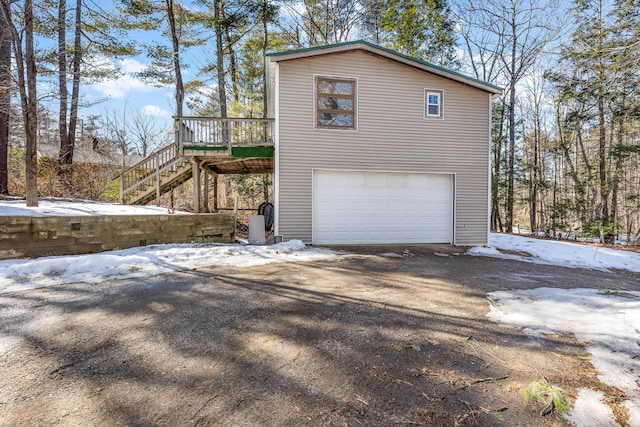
x=159, y=173
x=219, y=146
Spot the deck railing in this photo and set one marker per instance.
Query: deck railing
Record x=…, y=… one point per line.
x=222, y=133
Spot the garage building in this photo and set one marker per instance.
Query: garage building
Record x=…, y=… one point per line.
x=374, y=147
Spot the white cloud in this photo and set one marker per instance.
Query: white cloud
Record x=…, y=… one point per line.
x=131, y=66
x=155, y=111
x=126, y=83
x=121, y=87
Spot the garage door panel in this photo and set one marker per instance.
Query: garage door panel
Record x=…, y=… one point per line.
x=379, y=207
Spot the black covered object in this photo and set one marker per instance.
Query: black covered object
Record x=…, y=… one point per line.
x=266, y=209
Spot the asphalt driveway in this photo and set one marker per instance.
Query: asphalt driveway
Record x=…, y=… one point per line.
x=365, y=340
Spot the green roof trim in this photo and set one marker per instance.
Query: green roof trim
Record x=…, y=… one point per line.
x=389, y=51
x=324, y=46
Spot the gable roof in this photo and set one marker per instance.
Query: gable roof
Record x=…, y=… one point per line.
x=361, y=45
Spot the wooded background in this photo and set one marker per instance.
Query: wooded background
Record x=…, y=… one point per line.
x=565, y=148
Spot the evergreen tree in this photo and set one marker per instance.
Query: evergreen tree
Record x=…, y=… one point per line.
x=23, y=47
x=82, y=32
x=175, y=22
x=420, y=28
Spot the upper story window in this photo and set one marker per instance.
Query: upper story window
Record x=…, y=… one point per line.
x=433, y=103
x=335, y=103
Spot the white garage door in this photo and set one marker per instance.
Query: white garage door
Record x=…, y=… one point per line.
x=380, y=207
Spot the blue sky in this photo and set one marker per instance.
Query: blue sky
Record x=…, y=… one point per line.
x=129, y=92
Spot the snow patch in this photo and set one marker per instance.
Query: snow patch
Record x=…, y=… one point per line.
x=54, y=207
x=390, y=255
x=589, y=411
x=606, y=321
x=18, y=275
x=550, y=252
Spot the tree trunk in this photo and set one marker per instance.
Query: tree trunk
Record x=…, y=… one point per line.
x=535, y=167
x=30, y=112
x=554, y=218
x=75, y=89
x=233, y=67
x=602, y=164
x=215, y=193
x=265, y=45
x=512, y=149
x=602, y=135
x=265, y=187
x=510, y=164
x=63, y=170
x=5, y=99
x=618, y=170
x=567, y=153
x=222, y=96
x=26, y=71
x=496, y=219
x=176, y=58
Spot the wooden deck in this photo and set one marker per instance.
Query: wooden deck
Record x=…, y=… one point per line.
x=227, y=145
x=218, y=146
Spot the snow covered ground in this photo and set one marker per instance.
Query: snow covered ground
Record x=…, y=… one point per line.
x=18, y=275
x=62, y=207
x=607, y=322
x=562, y=253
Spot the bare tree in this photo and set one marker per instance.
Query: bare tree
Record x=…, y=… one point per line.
x=146, y=135
x=504, y=38
x=535, y=135
x=315, y=23
x=113, y=129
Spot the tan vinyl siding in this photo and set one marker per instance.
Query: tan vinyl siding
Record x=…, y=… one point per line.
x=392, y=135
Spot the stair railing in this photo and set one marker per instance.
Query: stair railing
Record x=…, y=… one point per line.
x=147, y=172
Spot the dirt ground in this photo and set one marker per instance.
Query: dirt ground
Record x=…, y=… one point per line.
x=365, y=340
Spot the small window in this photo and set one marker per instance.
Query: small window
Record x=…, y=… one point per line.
x=433, y=103
x=335, y=103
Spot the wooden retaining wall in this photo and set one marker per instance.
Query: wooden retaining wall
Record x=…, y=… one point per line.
x=27, y=237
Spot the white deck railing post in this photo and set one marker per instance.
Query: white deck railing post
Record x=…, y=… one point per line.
x=157, y=178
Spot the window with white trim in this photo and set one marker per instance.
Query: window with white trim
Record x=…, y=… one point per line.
x=335, y=103
x=433, y=103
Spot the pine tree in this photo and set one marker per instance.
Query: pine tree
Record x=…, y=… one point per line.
x=420, y=28
x=177, y=23
x=25, y=58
